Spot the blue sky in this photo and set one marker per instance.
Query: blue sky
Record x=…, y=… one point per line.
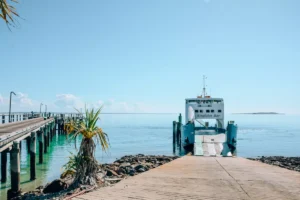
x=148, y=56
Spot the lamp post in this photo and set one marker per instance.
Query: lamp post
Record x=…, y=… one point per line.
x=41, y=109
x=45, y=110
x=9, y=119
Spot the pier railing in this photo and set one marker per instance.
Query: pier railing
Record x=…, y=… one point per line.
x=21, y=116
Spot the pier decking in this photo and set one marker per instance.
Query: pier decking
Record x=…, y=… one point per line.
x=206, y=178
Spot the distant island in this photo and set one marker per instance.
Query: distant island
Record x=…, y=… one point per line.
x=260, y=113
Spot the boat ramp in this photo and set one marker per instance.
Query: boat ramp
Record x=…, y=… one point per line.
x=206, y=178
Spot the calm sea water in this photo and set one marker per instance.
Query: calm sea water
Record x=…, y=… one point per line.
x=152, y=134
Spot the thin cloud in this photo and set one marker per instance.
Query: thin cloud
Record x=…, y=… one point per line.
x=68, y=101
x=1, y=99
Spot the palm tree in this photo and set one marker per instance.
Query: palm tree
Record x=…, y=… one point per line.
x=86, y=164
x=7, y=12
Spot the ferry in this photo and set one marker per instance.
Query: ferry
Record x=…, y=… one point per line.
x=199, y=136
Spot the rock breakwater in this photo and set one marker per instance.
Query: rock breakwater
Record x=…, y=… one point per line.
x=291, y=163
x=108, y=174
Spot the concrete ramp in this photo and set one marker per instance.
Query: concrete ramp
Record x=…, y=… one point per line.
x=206, y=178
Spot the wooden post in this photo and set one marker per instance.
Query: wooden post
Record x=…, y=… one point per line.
x=32, y=156
x=14, y=171
x=58, y=126
x=179, y=133
x=63, y=125
x=3, y=166
x=41, y=146
x=174, y=136
x=45, y=139
x=50, y=131
x=54, y=129
x=49, y=134
x=28, y=144
x=20, y=148
x=180, y=119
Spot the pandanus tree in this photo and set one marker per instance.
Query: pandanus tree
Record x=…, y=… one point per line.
x=7, y=11
x=86, y=164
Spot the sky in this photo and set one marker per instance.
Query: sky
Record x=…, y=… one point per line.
x=149, y=56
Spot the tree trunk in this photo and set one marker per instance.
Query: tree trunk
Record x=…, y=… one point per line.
x=87, y=165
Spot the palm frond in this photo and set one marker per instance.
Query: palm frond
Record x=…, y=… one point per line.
x=7, y=12
x=88, y=128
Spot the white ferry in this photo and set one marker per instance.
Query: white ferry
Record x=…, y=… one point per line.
x=198, y=136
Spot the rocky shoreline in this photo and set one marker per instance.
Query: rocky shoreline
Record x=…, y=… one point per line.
x=291, y=163
x=108, y=175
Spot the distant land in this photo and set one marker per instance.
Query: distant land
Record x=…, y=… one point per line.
x=260, y=113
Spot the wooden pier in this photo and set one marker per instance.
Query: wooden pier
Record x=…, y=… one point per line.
x=206, y=178
x=41, y=130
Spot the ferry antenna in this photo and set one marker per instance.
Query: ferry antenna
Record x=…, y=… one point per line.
x=204, y=89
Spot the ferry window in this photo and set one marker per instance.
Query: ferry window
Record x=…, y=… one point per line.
x=196, y=111
x=212, y=111
x=207, y=111
x=201, y=111
x=219, y=111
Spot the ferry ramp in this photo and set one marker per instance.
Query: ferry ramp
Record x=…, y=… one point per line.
x=206, y=178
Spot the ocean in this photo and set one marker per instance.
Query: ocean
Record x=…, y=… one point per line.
x=258, y=135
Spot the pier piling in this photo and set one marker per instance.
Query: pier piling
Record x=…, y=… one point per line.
x=174, y=136
x=48, y=135
x=54, y=129
x=41, y=145
x=15, y=171
x=178, y=137
x=28, y=144
x=3, y=166
x=32, y=155
x=51, y=131
x=20, y=146
x=45, y=140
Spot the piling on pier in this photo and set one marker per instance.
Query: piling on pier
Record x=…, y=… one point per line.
x=32, y=155
x=4, y=166
x=177, y=133
x=47, y=126
x=14, y=171
x=174, y=136
x=45, y=140
x=28, y=144
x=41, y=145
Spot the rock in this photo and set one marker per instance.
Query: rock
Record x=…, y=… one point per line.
x=156, y=165
x=128, y=169
x=115, y=168
x=141, y=170
x=55, y=186
x=40, y=187
x=121, y=171
x=132, y=172
x=291, y=163
x=125, y=164
x=111, y=173
x=138, y=167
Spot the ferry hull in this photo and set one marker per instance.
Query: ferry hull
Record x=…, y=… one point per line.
x=209, y=141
